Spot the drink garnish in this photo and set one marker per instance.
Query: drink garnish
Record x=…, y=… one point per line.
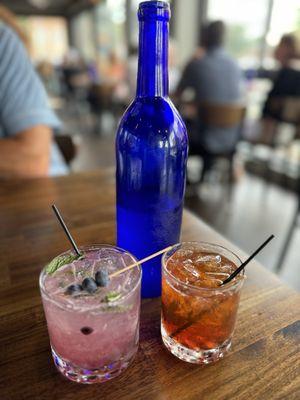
x=114, y=308
x=90, y=285
x=112, y=296
x=86, y=330
x=137, y=263
x=102, y=277
x=74, y=289
x=60, y=261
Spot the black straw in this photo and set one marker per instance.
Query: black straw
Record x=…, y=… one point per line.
x=67, y=232
x=243, y=265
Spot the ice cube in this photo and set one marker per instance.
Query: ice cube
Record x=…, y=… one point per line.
x=188, y=265
x=219, y=272
x=61, y=279
x=183, y=253
x=228, y=269
x=220, y=276
x=83, y=269
x=211, y=283
x=216, y=259
x=106, y=262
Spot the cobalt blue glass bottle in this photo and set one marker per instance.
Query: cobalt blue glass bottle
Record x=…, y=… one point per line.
x=151, y=152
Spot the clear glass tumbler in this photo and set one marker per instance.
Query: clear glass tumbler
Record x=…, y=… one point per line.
x=94, y=332
x=199, y=315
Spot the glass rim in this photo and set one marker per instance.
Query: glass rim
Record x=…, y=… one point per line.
x=155, y=4
x=100, y=306
x=235, y=282
x=154, y=10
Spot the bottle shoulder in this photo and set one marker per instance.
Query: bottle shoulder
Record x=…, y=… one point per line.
x=152, y=113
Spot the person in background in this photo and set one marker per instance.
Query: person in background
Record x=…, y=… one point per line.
x=286, y=51
x=285, y=84
x=212, y=77
x=116, y=69
x=75, y=74
x=26, y=121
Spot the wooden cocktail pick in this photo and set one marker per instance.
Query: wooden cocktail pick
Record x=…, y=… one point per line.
x=120, y=271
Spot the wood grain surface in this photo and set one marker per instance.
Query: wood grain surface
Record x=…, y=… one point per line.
x=265, y=359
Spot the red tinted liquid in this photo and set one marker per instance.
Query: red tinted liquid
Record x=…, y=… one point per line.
x=198, y=319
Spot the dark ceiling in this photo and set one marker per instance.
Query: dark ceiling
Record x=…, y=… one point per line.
x=55, y=7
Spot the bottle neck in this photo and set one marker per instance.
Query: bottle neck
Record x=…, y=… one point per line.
x=153, y=79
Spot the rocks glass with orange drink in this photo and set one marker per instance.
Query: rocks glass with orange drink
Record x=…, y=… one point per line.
x=198, y=312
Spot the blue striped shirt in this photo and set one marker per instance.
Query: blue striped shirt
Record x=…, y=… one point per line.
x=23, y=99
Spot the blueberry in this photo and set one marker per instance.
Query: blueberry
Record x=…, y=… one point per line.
x=74, y=289
x=89, y=285
x=86, y=330
x=102, y=277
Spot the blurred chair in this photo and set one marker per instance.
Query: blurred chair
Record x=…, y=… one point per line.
x=284, y=110
x=286, y=89
x=224, y=117
x=220, y=115
x=67, y=147
x=287, y=108
x=100, y=99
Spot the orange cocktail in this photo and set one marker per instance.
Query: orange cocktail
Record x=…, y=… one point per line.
x=198, y=314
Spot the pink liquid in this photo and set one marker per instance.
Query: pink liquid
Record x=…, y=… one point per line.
x=85, y=330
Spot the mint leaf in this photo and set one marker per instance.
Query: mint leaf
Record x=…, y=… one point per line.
x=60, y=261
x=112, y=296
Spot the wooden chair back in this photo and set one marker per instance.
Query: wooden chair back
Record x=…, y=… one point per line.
x=221, y=115
x=288, y=108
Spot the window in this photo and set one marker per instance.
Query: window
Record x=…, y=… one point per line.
x=246, y=24
x=285, y=19
x=47, y=37
x=250, y=37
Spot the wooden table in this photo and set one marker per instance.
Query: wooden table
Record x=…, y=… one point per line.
x=265, y=359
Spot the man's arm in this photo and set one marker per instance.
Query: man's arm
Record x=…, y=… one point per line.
x=26, y=122
x=26, y=154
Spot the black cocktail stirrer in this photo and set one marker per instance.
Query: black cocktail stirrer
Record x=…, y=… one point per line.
x=67, y=232
x=243, y=265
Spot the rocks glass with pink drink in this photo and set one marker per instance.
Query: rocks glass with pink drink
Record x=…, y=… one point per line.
x=93, y=321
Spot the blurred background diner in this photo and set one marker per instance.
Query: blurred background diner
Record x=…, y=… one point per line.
x=68, y=72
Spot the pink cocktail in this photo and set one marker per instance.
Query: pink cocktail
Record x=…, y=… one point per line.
x=93, y=329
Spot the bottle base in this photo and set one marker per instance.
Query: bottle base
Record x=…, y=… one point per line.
x=90, y=376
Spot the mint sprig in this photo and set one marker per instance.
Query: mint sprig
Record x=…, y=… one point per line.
x=114, y=308
x=112, y=296
x=60, y=261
